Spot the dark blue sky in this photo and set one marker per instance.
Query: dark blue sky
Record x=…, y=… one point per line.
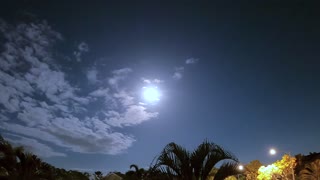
x=254, y=82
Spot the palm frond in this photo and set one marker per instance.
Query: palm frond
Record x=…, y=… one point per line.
x=199, y=156
x=216, y=155
x=176, y=159
x=226, y=169
x=136, y=168
x=311, y=171
x=177, y=162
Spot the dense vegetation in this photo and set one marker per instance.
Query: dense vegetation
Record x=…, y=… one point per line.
x=174, y=162
x=16, y=164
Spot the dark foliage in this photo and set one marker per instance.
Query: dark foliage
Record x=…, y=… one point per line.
x=16, y=164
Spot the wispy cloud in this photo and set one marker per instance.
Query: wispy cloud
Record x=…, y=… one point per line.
x=118, y=75
x=101, y=92
x=192, y=61
x=84, y=170
x=40, y=105
x=134, y=114
x=178, y=73
x=82, y=48
x=92, y=75
x=152, y=81
x=34, y=146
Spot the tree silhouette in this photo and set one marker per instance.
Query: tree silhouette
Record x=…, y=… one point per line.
x=16, y=164
x=98, y=175
x=311, y=171
x=179, y=163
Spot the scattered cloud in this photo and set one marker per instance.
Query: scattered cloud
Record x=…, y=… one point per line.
x=84, y=170
x=152, y=81
x=118, y=75
x=92, y=75
x=125, y=99
x=34, y=146
x=82, y=48
x=178, y=74
x=133, y=115
x=192, y=61
x=39, y=104
x=101, y=92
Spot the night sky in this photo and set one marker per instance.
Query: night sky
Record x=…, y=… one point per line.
x=243, y=75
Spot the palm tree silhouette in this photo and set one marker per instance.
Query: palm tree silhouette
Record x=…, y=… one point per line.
x=9, y=157
x=139, y=172
x=311, y=171
x=179, y=163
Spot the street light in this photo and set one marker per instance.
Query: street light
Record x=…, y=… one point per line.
x=272, y=151
x=240, y=168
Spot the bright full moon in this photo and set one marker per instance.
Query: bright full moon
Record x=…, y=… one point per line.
x=151, y=94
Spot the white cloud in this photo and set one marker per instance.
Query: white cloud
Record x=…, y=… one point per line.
x=101, y=92
x=7, y=95
x=137, y=114
x=192, y=61
x=3, y=117
x=89, y=136
x=39, y=103
x=118, y=75
x=105, y=93
x=92, y=75
x=178, y=74
x=133, y=115
x=32, y=145
x=16, y=82
x=152, y=81
x=95, y=138
x=124, y=98
x=123, y=71
x=34, y=115
x=84, y=170
x=77, y=55
x=82, y=48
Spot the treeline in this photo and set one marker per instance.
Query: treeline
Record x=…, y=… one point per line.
x=16, y=164
x=173, y=163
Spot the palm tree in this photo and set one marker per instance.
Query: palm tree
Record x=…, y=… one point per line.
x=18, y=164
x=311, y=171
x=136, y=173
x=46, y=171
x=139, y=173
x=9, y=157
x=179, y=163
x=29, y=166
